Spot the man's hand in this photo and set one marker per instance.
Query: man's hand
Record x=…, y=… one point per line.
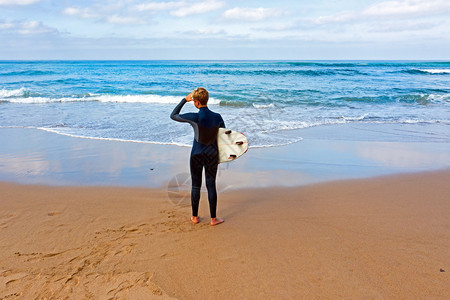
x=189, y=97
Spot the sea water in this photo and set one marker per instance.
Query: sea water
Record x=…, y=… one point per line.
x=269, y=101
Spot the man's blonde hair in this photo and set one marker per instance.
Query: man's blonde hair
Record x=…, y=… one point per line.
x=201, y=95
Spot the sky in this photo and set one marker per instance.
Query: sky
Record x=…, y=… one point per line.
x=228, y=30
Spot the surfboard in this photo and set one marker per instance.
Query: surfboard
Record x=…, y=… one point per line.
x=231, y=144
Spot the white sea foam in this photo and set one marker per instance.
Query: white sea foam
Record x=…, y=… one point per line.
x=52, y=130
x=418, y=121
x=280, y=126
x=42, y=100
x=137, y=99
x=284, y=141
x=4, y=93
x=436, y=71
x=360, y=118
x=271, y=105
x=18, y=96
x=144, y=99
x=438, y=98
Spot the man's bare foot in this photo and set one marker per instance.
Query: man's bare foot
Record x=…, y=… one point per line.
x=216, y=221
x=195, y=220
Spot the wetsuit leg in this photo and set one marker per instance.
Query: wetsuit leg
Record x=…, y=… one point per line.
x=198, y=162
x=210, y=163
x=196, y=178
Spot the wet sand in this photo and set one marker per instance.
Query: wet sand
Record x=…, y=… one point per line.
x=349, y=151
x=380, y=238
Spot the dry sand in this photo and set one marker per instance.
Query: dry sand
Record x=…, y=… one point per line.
x=379, y=238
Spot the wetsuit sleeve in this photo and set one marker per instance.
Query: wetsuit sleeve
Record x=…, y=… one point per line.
x=175, y=115
x=190, y=118
x=222, y=123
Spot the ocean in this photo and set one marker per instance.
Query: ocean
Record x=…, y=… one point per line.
x=269, y=101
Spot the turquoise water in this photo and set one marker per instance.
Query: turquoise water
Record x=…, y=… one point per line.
x=269, y=101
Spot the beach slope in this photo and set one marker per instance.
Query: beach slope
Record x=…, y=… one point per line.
x=385, y=237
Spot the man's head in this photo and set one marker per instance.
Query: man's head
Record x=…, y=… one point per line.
x=201, y=95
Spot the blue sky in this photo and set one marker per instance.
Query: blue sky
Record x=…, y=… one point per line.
x=215, y=29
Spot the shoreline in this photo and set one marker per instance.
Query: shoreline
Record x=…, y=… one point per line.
x=349, y=151
x=382, y=237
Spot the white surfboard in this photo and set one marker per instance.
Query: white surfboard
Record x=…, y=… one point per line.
x=231, y=144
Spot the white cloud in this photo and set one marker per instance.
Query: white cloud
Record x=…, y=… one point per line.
x=407, y=7
x=156, y=6
x=403, y=26
x=276, y=28
x=88, y=13
x=342, y=17
x=25, y=28
x=205, y=32
x=134, y=14
x=127, y=14
x=251, y=14
x=18, y=2
x=389, y=9
x=84, y=13
x=116, y=19
x=198, y=8
x=6, y=25
x=32, y=27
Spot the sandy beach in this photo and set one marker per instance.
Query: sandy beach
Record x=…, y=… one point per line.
x=379, y=238
x=93, y=219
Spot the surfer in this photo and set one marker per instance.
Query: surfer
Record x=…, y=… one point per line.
x=204, y=153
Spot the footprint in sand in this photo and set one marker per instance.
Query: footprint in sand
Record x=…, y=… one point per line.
x=53, y=213
x=17, y=294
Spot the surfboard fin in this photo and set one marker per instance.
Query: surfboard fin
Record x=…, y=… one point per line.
x=228, y=132
x=239, y=143
x=232, y=156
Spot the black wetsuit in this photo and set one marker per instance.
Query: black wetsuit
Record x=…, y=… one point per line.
x=204, y=152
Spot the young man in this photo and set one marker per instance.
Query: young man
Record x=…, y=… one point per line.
x=204, y=152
